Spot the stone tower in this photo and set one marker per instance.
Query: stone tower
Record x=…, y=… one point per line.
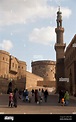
x=45, y=69
x=59, y=48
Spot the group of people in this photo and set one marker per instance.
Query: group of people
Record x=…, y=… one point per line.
x=63, y=97
x=40, y=95
x=37, y=94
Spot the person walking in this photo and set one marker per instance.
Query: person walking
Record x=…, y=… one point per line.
x=36, y=96
x=66, y=98
x=61, y=95
x=30, y=96
x=15, y=96
x=45, y=95
x=40, y=95
x=10, y=99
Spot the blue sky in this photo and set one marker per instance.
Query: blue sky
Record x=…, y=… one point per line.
x=27, y=27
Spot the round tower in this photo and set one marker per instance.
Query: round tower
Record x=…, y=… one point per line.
x=4, y=63
x=45, y=69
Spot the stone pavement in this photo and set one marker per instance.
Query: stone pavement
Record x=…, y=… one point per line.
x=51, y=107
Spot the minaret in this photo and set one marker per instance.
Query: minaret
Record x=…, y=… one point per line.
x=59, y=48
x=60, y=45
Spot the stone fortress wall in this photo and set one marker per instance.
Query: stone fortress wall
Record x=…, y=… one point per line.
x=14, y=70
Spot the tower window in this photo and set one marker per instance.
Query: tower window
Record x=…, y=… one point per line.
x=12, y=64
x=15, y=65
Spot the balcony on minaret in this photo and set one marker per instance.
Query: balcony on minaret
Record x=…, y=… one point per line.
x=61, y=46
x=59, y=29
x=59, y=18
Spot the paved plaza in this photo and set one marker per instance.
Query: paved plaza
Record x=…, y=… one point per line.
x=51, y=107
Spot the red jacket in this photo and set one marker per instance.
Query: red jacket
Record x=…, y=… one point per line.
x=11, y=97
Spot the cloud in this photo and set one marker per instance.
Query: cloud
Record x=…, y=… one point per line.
x=23, y=11
x=44, y=35
x=6, y=45
x=66, y=12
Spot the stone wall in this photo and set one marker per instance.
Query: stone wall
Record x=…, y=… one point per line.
x=3, y=85
x=20, y=84
x=46, y=83
x=31, y=80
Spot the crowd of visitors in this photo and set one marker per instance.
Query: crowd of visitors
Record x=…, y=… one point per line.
x=37, y=95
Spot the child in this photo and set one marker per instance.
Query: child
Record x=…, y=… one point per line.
x=62, y=101
x=10, y=100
